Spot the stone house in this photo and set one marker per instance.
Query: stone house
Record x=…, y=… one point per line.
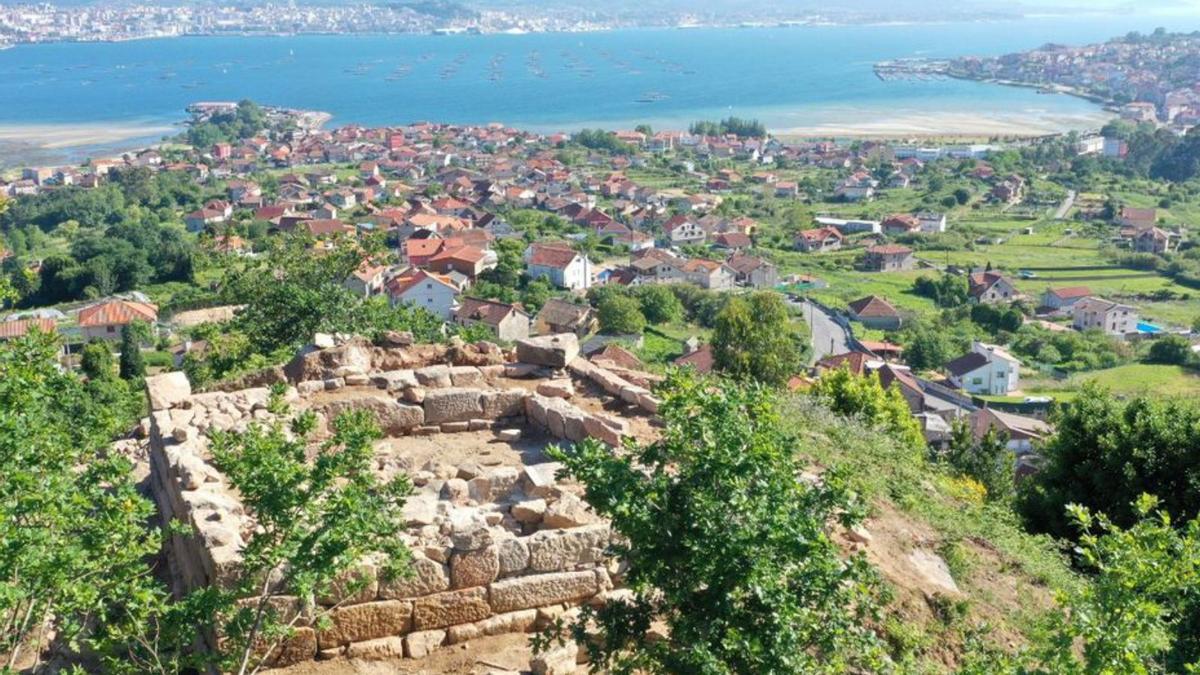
x=560, y=316
x=507, y=322
x=875, y=312
x=888, y=258
x=991, y=288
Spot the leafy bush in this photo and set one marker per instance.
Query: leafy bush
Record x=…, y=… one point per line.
x=724, y=545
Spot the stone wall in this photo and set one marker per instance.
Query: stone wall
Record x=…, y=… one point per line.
x=496, y=548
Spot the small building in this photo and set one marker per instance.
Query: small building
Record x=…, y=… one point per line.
x=1104, y=315
x=561, y=316
x=560, y=264
x=753, y=271
x=507, y=322
x=197, y=220
x=700, y=359
x=10, y=330
x=438, y=294
x=470, y=261
x=991, y=288
x=857, y=187
x=367, y=280
x=105, y=319
x=682, y=230
x=1064, y=298
x=1139, y=219
x=819, y=239
x=932, y=223
x=708, y=274
x=901, y=223
x=986, y=369
x=889, y=258
x=1152, y=240
x=1025, y=434
x=875, y=312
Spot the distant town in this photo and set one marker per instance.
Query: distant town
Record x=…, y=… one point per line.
x=47, y=22
x=1146, y=78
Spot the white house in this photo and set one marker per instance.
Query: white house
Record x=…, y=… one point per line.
x=986, y=369
x=684, y=230
x=560, y=264
x=932, y=223
x=367, y=280
x=849, y=226
x=1104, y=315
x=434, y=292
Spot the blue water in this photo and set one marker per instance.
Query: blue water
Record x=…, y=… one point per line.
x=1144, y=327
x=788, y=77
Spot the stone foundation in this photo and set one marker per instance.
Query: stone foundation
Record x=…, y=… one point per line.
x=499, y=544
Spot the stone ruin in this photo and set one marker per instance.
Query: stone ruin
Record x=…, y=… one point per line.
x=499, y=544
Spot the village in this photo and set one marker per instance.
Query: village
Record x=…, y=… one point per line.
x=458, y=205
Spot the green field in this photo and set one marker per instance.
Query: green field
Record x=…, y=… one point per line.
x=1136, y=378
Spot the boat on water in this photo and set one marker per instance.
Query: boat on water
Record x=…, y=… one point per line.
x=651, y=97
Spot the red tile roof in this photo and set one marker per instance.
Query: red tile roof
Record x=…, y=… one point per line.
x=401, y=284
x=1071, y=292
x=702, y=359
x=15, y=329
x=489, y=312
x=116, y=313
x=551, y=255
x=873, y=306
x=889, y=249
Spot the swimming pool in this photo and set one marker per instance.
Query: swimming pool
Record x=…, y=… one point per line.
x=1144, y=327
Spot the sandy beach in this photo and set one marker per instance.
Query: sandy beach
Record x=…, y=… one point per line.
x=57, y=136
x=948, y=124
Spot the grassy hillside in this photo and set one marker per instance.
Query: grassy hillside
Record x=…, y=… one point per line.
x=1006, y=578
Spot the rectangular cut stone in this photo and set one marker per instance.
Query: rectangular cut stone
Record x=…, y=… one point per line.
x=424, y=578
x=391, y=647
x=452, y=405
x=367, y=621
x=418, y=645
x=434, y=376
x=522, y=621
x=539, y=590
x=555, y=550
x=465, y=376
x=507, y=403
x=450, y=608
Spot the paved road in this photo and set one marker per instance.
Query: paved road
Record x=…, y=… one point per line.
x=828, y=337
x=1065, y=206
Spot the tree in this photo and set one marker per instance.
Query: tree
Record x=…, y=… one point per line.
x=986, y=460
x=96, y=360
x=132, y=364
x=724, y=545
x=317, y=521
x=926, y=348
x=1137, y=613
x=962, y=195
x=620, y=315
x=1173, y=350
x=659, y=304
x=75, y=541
x=754, y=338
x=866, y=399
x=1107, y=452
